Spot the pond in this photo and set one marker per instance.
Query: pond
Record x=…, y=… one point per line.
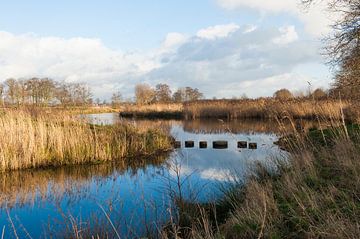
x=135, y=199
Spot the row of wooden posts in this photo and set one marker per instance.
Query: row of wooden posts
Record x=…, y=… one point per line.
x=216, y=144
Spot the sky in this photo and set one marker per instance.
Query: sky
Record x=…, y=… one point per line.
x=226, y=48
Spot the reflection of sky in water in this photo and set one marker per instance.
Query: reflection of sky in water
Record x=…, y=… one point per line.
x=123, y=193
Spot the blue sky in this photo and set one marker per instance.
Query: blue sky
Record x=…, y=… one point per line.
x=113, y=45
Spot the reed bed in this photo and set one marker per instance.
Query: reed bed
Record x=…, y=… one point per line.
x=266, y=109
x=158, y=110
x=263, y=108
x=32, y=140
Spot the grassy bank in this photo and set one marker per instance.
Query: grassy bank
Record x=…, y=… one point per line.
x=316, y=195
x=33, y=139
x=267, y=108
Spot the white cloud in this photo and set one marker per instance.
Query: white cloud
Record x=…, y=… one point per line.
x=289, y=35
x=255, y=62
x=218, y=31
x=174, y=39
x=316, y=20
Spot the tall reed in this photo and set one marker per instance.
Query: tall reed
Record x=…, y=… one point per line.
x=31, y=141
x=265, y=108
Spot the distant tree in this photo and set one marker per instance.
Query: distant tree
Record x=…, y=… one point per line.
x=319, y=94
x=179, y=95
x=63, y=93
x=144, y=94
x=116, y=99
x=187, y=94
x=283, y=94
x=12, y=91
x=81, y=94
x=192, y=94
x=163, y=93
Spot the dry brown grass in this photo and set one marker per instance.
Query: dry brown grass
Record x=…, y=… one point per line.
x=158, y=107
x=265, y=108
x=38, y=139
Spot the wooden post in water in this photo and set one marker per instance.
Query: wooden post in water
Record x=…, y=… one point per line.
x=242, y=145
x=202, y=144
x=220, y=144
x=189, y=144
x=252, y=145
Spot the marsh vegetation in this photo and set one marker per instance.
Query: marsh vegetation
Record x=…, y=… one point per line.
x=33, y=139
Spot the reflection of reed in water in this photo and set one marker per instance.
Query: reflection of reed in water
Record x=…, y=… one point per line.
x=216, y=126
x=144, y=125
x=20, y=188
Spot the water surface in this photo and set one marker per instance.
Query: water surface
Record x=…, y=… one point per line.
x=136, y=197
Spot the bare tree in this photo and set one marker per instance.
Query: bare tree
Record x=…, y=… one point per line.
x=62, y=93
x=41, y=91
x=179, y=95
x=187, y=94
x=163, y=93
x=81, y=94
x=144, y=94
x=193, y=94
x=116, y=99
x=12, y=91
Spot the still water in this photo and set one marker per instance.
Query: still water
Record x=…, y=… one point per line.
x=136, y=197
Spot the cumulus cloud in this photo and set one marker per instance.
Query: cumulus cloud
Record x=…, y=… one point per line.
x=255, y=62
x=223, y=61
x=316, y=20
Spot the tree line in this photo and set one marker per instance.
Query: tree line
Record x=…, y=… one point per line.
x=161, y=93
x=43, y=92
